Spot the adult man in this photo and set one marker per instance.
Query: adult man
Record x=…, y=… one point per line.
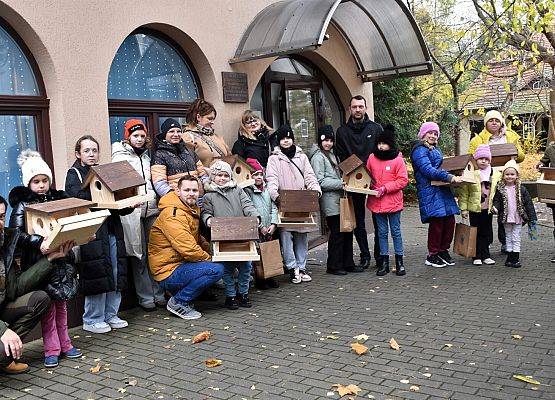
x=358, y=137
x=177, y=253
x=21, y=306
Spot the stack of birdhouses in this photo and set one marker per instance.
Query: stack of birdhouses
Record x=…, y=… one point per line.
x=297, y=208
x=234, y=238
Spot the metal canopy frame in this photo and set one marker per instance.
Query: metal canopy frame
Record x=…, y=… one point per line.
x=382, y=35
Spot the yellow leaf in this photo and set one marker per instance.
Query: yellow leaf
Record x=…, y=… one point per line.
x=95, y=370
x=332, y=337
x=466, y=112
x=527, y=379
x=201, y=337
x=414, y=388
x=361, y=338
x=345, y=390
x=358, y=348
x=447, y=345
x=393, y=344
x=517, y=337
x=213, y=362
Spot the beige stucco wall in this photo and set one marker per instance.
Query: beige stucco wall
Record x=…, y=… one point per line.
x=74, y=43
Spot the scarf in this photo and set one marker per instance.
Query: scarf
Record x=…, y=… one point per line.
x=139, y=150
x=290, y=152
x=385, y=155
x=223, y=188
x=485, y=174
x=204, y=130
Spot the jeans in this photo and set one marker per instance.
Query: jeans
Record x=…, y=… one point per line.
x=394, y=222
x=512, y=232
x=55, y=335
x=340, y=246
x=294, y=248
x=243, y=277
x=440, y=233
x=189, y=280
x=483, y=221
x=103, y=307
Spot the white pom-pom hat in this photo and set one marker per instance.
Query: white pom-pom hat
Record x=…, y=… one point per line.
x=32, y=164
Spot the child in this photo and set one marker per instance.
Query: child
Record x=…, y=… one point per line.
x=513, y=205
x=547, y=160
x=263, y=203
x=475, y=201
x=103, y=260
x=437, y=203
x=225, y=199
x=62, y=284
x=289, y=168
x=326, y=168
x=390, y=177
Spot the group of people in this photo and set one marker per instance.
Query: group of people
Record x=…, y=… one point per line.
x=166, y=242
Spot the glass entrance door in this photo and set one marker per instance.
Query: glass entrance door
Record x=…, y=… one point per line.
x=302, y=115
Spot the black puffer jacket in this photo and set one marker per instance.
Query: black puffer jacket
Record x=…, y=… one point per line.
x=62, y=283
x=177, y=158
x=258, y=149
x=357, y=138
x=95, y=265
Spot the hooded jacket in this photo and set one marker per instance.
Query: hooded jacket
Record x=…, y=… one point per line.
x=229, y=201
x=357, y=138
x=484, y=137
x=258, y=148
x=329, y=178
x=470, y=196
x=264, y=205
x=206, y=147
x=175, y=237
x=391, y=174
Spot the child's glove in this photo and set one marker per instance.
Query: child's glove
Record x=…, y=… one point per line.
x=533, y=230
x=381, y=191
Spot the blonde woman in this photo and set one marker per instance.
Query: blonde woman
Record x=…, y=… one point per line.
x=255, y=138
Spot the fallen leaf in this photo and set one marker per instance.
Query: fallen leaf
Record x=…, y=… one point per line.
x=121, y=390
x=95, y=370
x=226, y=328
x=394, y=345
x=427, y=375
x=131, y=382
x=361, y=338
x=253, y=387
x=27, y=389
x=450, y=361
x=447, y=346
x=213, y=362
x=405, y=381
x=201, y=337
x=414, y=388
x=435, y=286
x=332, y=337
x=516, y=337
x=345, y=390
x=527, y=379
x=274, y=366
x=358, y=348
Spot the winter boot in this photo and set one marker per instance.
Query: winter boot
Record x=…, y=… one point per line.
x=516, y=260
x=384, y=266
x=399, y=266
x=231, y=303
x=509, y=260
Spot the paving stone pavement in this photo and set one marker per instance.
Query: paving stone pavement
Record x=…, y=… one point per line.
x=295, y=342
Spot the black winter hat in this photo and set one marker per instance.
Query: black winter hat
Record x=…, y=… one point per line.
x=169, y=124
x=387, y=136
x=285, y=131
x=325, y=132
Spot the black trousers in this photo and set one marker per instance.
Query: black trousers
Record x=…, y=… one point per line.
x=340, y=246
x=501, y=232
x=359, y=202
x=22, y=315
x=483, y=221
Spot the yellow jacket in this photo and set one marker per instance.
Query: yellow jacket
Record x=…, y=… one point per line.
x=484, y=136
x=470, y=196
x=175, y=237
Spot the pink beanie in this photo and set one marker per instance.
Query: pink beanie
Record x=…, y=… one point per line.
x=427, y=127
x=482, y=151
x=256, y=166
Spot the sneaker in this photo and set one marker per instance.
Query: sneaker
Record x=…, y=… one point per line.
x=305, y=277
x=445, y=256
x=489, y=261
x=553, y=259
x=244, y=301
x=477, y=262
x=72, y=353
x=148, y=307
x=97, y=327
x=231, y=303
x=117, y=323
x=15, y=368
x=51, y=361
x=161, y=303
x=185, y=311
x=435, y=261
x=295, y=275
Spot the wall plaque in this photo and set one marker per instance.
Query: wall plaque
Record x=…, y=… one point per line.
x=235, y=87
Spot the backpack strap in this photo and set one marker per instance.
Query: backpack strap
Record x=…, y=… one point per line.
x=78, y=174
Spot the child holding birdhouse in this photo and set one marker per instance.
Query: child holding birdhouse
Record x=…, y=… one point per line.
x=225, y=199
x=62, y=284
x=289, y=169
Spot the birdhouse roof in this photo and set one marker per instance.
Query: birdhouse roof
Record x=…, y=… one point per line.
x=234, y=159
x=298, y=200
x=350, y=164
x=115, y=176
x=505, y=149
x=51, y=207
x=233, y=229
x=457, y=163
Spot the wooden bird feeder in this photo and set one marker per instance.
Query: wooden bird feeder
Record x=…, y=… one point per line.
x=242, y=171
x=502, y=153
x=233, y=239
x=463, y=166
x=546, y=185
x=59, y=221
x=115, y=185
x=297, y=208
x=356, y=177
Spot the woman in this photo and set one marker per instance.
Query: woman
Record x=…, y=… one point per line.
x=255, y=139
x=134, y=148
x=172, y=159
x=199, y=133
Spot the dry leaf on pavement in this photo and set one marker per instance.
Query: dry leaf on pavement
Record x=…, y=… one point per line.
x=95, y=370
x=131, y=382
x=201, y=337
x=361, y=338
x=332, y=337
x=358, y=348
x=414, y=388
x=213, y=362
x=447, y=346
x=345, y=390
x=517, y=337
x=394, y=345
x=121, y=390
x=527, y=379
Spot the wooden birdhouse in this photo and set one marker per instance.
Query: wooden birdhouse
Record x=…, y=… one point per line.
x=356, y=177
x=115, y=185
x=463, y=166
x=59, y=221
x=297, y=208
x=546, y=185
x=242, y=171
x=233, y=239
x=501, y=153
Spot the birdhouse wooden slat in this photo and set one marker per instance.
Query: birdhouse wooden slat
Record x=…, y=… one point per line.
x=233, y=238
x=463, y=166
x=502, y=153
x=297, y=208
x=356, y=177
x=242, y=171
x=546, y=185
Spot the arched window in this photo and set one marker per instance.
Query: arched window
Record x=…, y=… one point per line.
x=23, y=107
x=150, y=79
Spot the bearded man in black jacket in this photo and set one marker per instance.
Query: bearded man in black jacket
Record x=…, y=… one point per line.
x=358, y=137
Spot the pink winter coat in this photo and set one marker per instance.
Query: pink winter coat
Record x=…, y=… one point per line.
x=392, y=174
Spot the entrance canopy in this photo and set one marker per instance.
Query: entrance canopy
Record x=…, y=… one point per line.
x=382, y=35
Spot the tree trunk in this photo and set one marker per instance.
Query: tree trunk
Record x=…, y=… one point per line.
x=457, y=110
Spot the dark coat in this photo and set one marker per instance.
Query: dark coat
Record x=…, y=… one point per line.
x=62, y=283
x=177, y=158
x=359, y=139
x=258, y=149
x=434, y=201
x=526, y=211
x=95, y=265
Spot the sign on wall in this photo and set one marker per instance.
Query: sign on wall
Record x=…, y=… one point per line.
x=235, y=87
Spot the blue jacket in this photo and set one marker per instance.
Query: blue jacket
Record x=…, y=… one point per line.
x=434, y=201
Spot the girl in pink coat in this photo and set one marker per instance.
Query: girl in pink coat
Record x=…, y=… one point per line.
x=389, y=175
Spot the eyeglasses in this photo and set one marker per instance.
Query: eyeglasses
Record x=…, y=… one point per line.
x=251, y=121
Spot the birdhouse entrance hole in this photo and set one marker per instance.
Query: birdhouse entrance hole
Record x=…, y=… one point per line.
x=98, y=185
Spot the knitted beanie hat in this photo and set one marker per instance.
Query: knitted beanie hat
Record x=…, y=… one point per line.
x=482, y=151
x=132, y=125
x=325, y=132
x=387, y=136
x=169, y=124
x=255, y=165
x=427, y=127
x=494, y=114
x=220, y=166
x=32, y=164
x=511, y=164
x=285, y=131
